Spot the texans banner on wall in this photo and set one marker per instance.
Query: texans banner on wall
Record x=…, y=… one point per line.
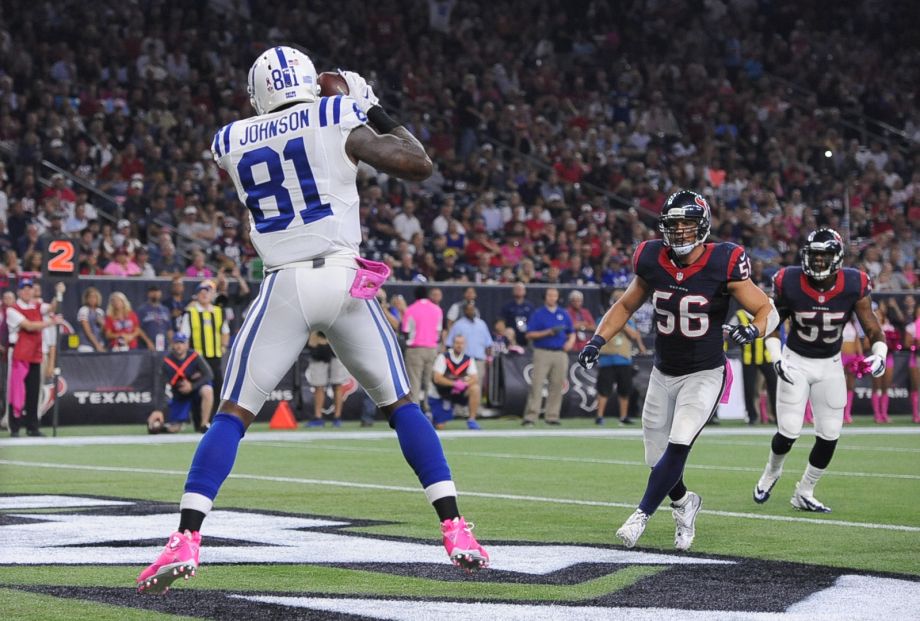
x=124, y=387
x=579, y=391
x=106, y=388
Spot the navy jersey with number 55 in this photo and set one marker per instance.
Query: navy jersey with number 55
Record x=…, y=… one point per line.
x=818, y=317
x=690, y=303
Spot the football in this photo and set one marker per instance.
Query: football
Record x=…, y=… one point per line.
x=331, y=83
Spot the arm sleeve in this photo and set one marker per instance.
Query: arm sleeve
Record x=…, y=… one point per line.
x=13, y=319
x=206, y=374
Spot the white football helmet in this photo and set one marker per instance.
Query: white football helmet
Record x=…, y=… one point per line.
x=281, y=75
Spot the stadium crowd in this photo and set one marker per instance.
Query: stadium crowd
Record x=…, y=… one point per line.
x=555, y=137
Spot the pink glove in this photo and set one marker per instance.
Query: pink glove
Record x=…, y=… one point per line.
x=459, y=387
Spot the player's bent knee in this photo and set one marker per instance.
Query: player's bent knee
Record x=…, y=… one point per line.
x=781, y=444
x=822, y=452
x=392, y=407
x=235, y=409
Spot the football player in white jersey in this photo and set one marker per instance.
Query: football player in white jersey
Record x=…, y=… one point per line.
x=294, y=167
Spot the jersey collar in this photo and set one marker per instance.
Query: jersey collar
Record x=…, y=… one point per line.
x=821, y=296
x=683, y=272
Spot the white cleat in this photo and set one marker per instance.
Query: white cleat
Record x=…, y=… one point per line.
x=763, y=488
x=685, y=518
x=633, y=528
x=807, y=502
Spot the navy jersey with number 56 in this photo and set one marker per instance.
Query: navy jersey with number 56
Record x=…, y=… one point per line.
x=818, y=317
x=690, y=303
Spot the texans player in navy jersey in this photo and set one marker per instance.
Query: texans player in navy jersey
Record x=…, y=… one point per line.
x=689, y=283
x=819, y=297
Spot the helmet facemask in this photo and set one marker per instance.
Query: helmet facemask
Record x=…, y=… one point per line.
x=682, y=234
x=822, y=255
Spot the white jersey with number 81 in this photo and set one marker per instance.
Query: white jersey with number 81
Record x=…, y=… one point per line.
x=291, y=171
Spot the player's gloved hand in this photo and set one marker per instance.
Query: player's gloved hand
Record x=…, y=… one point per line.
x=459, y=387
x=783, y=371
x=742, y=335
x=590, y=353
x=875, y=365
x=360, y=90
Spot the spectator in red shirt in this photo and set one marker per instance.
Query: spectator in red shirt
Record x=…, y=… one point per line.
x=480, y=244
x=122, y=327
x=582, y=320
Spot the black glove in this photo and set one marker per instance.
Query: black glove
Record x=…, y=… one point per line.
x=588, y=356
x=557, y=329
x=742, y=335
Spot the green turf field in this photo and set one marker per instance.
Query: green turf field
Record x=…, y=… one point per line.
x=571, y=486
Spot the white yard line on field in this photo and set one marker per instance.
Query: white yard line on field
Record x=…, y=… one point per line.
x=582, y=460
x=415, y=490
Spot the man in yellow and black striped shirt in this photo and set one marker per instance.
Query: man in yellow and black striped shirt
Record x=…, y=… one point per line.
x=209, y=334
x=754, y=358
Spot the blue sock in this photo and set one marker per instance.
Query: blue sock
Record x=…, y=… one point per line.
x=665, y=475
x=420, y=444
x=215, y=455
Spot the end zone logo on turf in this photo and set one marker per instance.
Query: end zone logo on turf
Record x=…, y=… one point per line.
x=107, y=531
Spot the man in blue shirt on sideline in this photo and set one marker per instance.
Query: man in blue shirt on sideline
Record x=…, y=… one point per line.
x=477, y=335
x=552, y=335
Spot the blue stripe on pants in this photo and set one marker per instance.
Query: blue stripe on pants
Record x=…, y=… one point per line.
x=393, y=372
x=244, y=355
x=375, y=307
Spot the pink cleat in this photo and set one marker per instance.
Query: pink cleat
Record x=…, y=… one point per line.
x=179, y=559
x=461, y=545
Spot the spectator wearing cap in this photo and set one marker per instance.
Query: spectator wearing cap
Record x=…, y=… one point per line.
x=26, y=320
x=550, y=331
x=121, y=265
x=193, y=234
x=449, y=268
x=422, y=322
x=122, y=327
x=155, y=319
x=208, y=329
x=58, y=190
x=189, y=381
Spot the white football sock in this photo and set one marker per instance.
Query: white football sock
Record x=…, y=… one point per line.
x=810, y=479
